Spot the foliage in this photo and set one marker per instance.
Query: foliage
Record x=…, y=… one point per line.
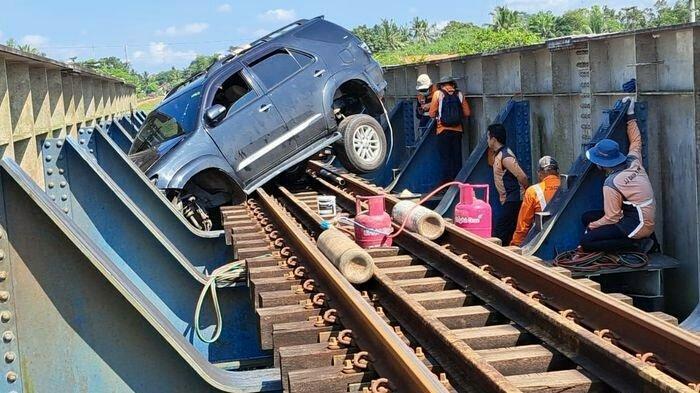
x=24, y=47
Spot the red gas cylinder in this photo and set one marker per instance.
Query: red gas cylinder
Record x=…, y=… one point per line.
x=372, y=226
x=472, y=214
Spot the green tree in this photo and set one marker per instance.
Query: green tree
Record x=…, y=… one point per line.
x=200, y=63
x=503, y=18
x=664, y=14
x=635, y=18
x=421, y=31
x=391, y=35
x=544, y=23
x=24, y=47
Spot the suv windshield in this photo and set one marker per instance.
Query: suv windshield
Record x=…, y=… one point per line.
x=176, y=117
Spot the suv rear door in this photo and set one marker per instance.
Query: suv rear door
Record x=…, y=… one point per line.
x=251, y=136
x=294, y=81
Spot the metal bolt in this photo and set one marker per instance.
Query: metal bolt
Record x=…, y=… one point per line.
x=47, y=144
x=51, y=184
x=10, y=357
x=7, y=336
x=65, y=210
x=82, y=141
x=59, y=143
x=49, y=158
x=60, y=171
x=92, y=150
x=63, y=184
x=4, y=296
x=11, y=376
x=49, y=171
x=5, y=316
x=90, y=131
x=64, y=197
x=81, y=131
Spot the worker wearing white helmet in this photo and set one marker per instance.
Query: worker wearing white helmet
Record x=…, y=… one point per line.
x=536, y=198
x=425, y=88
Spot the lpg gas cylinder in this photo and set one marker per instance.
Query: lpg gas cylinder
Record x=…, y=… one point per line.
x=372, y=226
x=472, y=214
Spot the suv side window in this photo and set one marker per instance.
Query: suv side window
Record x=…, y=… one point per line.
x=278, y=66
x=234, y=93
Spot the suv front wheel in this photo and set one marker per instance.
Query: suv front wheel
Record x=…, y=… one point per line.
x=363, y=146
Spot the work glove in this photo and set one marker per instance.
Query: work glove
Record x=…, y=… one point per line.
x=630, y=109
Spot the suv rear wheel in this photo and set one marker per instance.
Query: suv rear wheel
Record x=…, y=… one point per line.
x=363, y=146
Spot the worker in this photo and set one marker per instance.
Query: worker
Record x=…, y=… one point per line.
x=537, y=197
x=627, y=221
x=449, y=106
x=510, y=181
x=426, y=89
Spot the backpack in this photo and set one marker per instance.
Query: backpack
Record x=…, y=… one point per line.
x=451, y=109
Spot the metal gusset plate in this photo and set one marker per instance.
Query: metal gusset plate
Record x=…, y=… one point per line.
x=144, y=254
x=93, y=315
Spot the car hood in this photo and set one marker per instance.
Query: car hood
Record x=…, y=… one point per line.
x=145, y=159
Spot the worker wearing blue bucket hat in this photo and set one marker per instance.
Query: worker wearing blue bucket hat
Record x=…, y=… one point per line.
x=627, y=221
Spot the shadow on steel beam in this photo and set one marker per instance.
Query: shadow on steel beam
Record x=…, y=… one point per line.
x=86, y=320
x=581, y=189
x=144, y=254
x=515, y=116
x=203, y=249
x=117, y=133
x=129, y=125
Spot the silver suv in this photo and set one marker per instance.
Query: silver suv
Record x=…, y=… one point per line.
x=264, y=110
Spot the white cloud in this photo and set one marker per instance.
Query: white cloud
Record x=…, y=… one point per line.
x=188, y=29
x=441, y=24
x=278, y=15
x=34, y=40
x=224, y=8
x=162, y=53
x=248, y=32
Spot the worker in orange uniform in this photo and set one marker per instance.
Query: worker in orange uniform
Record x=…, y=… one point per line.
x=510, y=181
x=627, y=221
x=450, y=109
x=537, y=197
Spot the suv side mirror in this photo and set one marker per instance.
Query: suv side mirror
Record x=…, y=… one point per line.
x=214, y=114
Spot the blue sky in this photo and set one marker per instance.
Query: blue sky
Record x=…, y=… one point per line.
x=160, y=34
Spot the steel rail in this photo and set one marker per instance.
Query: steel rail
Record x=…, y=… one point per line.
x=393, y=359
x=667, y=352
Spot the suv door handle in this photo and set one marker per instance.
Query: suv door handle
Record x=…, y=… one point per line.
x=265, y=108
x=318, y=73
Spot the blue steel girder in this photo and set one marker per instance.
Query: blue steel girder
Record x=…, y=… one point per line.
x=515, y=116
x=581, y=188
x=203, y=249
x=84, y=320
x=118, y=134
x=129, y=125
x=143, y=253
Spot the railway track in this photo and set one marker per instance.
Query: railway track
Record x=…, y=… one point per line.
x=449, y=315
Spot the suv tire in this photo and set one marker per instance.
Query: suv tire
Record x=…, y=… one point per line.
x=363, y=146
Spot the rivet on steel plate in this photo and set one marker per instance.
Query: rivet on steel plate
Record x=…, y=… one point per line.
x=64, y=197
x=65, y=210
x=347, y=367
x=60, y=171
x=319, y=299
x=345, y=337
x=92, y=150
x=63, y=184
x=361, y=360
x=10, y=357
x=48, y=158
x=81, y=131
x=330, y=315
x=11, y=377
x=380, y=385
x=59, y=143
x=47, y=144
x=2, y=255
x=7, y=336
x=4, y=296
x=49, y=171
x=5, y=316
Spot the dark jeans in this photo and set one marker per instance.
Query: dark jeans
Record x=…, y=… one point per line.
x=450, y=154
x=608, y=238
x=506, y=221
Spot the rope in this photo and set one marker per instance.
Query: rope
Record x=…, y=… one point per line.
x=577, y=260
x=222, y=276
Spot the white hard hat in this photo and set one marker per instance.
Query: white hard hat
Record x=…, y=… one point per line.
x=423, y=82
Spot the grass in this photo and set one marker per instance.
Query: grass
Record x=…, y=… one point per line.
x=149, y=104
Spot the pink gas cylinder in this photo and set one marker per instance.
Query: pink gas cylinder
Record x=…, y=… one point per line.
x=472, y=214
x=372, y=226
